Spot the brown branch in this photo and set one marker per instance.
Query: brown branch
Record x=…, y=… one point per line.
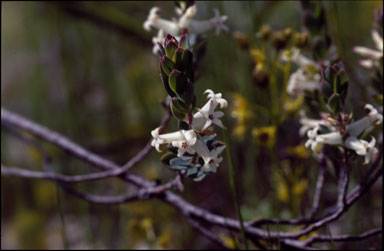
x=186, y=208
x=63, y=142
x=319, y=187
x=78, y=178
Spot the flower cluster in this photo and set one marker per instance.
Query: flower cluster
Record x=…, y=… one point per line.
x=341, y=132
x=193, y=148
x=374, y=57
x=306, y=77
x=185, y=21
x=197, y=152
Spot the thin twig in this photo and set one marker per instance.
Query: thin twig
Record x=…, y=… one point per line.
x=326, y=238
x=319, y=187
x=206, y=233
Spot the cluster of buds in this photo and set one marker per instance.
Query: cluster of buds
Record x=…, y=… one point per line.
x=186, y=11
x=341, y=132
x=193, y=149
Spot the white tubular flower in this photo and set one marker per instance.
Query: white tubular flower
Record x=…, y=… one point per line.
x=207, y=116
x=212, y=159
x=201, y=149
x=367, y=52
x=298, y=58
x=311, y=142
x=374, y=56
x=216, y=98
x=186, y=18
x=213, y=162
x=362, y=147
x=305, y=78
x=377, y=40
x=333, y=138
x=185, y=142
x=159, y=39
x=154, y=20
x=217, y=23
x=182, y=139
x=359, y=126
x=301, y=80
x=308, y=124
x=185, y=21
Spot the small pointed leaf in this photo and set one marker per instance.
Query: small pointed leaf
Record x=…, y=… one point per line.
x=177, y=82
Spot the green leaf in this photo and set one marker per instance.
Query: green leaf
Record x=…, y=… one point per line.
x=187, y=62
x=343, y=90
x=335, y=103
x=189, y=94
x=164, y=79
x=170, y=49
x=162, y=50
x=192, y=171
x=167, y=157
x=178, y=109
x=167, y=65
x=180, y=164
x=178, y=59
x=184, y=43
x=200, y=176
x=177, y=82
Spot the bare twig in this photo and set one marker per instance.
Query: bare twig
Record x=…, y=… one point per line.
x=206, y=233
x=326, y=238
x=343, y=182
x=79, y=178
x=319, y=187
x=72, y=148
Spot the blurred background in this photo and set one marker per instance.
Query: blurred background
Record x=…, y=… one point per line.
x=86, y=70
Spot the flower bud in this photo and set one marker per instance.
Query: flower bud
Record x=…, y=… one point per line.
x=300, y=40
x=279, y=40
x=260, y=76
x=242, y=40
x=265, y=31
x=287, y=33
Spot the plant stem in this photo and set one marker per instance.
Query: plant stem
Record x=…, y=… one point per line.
x=63, y=234
x=234, y=192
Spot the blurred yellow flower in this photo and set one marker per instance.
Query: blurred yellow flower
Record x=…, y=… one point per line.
x=165, y=240
x=299, y=188
x=299, y=152
x=242, y=113
x=258, y=56
x=282, y=191
x=292, y=106
x=281, y=187
x=228, y=241
x=265, y=136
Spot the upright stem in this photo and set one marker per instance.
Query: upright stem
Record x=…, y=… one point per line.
x=234, y=191
x=63, y=233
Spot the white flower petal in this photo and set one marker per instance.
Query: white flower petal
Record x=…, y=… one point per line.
x=377, y=40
